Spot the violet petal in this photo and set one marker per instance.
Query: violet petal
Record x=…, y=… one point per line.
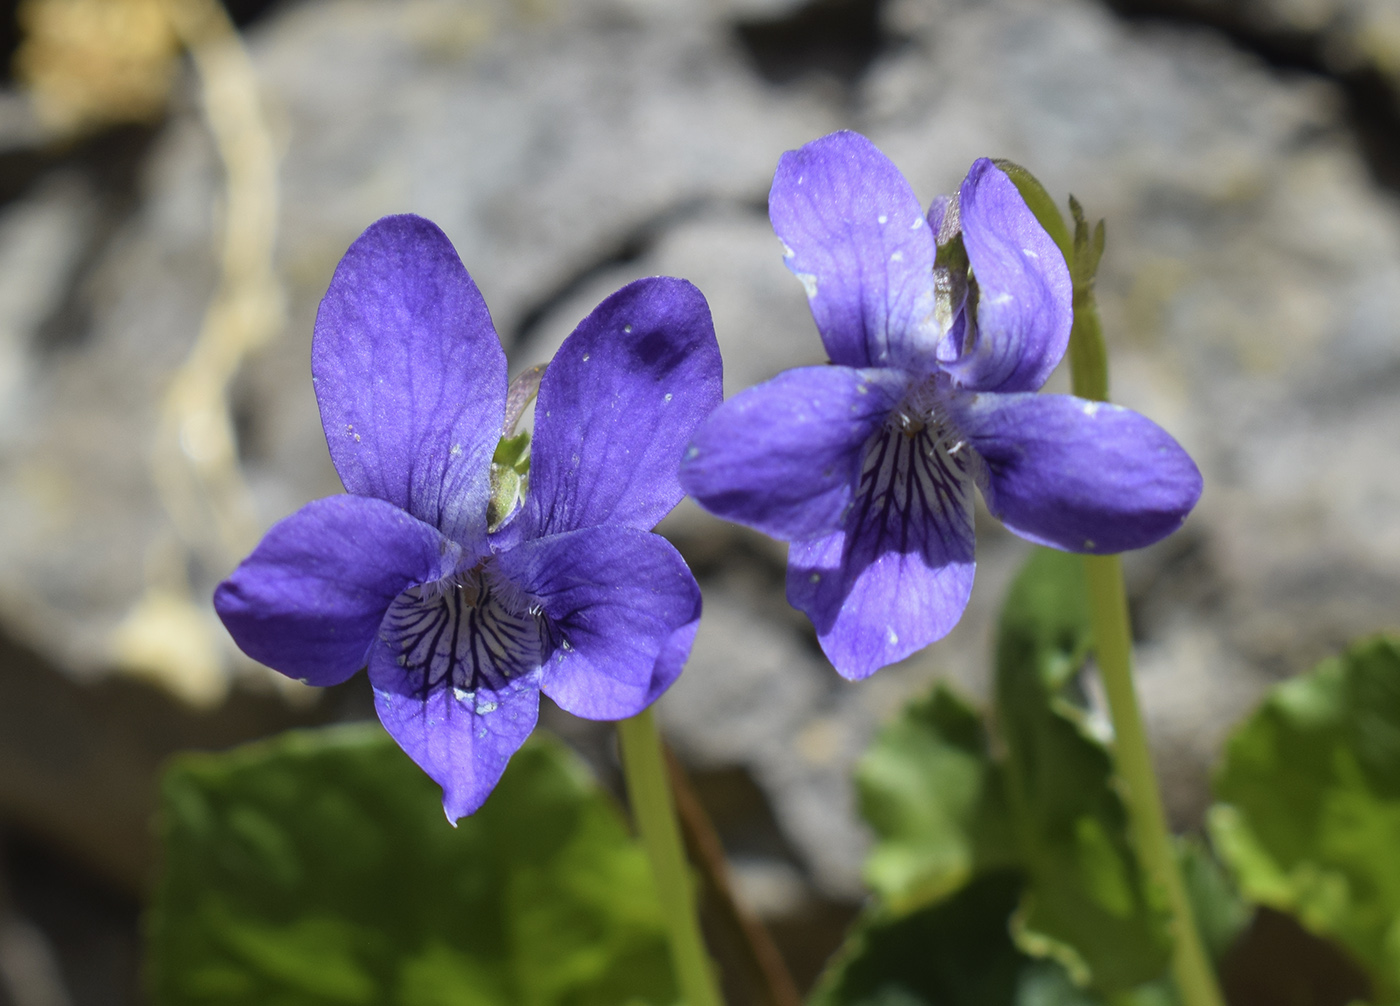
x=1078, y=475
x=463, y=749
x=898, y=575
x=617, y=406
x=410, y=377
x=858, y=241
x=310, y=598
x=622, y=609
x=784, y=457
x=1025, y=303
x=456, y=682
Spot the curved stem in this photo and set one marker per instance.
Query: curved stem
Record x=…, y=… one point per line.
x=644, y=767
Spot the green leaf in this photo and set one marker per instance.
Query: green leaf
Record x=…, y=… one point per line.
x=1086, y=903
x=928, y=788
x=1221, y=913
x=946, y=813
x=1310, y=812
x=957, y=952
x=317, y=868
x=952, y=953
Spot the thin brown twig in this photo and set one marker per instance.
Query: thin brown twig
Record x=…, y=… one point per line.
x=760, y=953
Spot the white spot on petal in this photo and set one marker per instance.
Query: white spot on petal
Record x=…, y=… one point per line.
x=897, y=257
x=1088, y=542
x=891, y=636
x=1091, y=409
x=585, y=357
x=625, y=328
x=862, y=389
x=918, y=222
x=482, y=708
x=809, y=283
x=1031, y=253
x=455, y=450
x=669, y=396
x=816, y=578
x=883, y=219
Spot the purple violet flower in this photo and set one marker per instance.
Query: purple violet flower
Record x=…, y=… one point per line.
x=463, y=625
x=867, y=466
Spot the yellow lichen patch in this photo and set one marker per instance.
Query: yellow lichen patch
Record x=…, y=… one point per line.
x=94, y=63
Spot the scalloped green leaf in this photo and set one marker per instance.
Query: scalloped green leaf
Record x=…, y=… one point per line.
x=317, y=868
x=1309, y=818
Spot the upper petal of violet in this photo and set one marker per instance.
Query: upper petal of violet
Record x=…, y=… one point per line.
x=1078, y=475
x=310, y=598
x=622, y=608
x=617, y=406
x=410, y=377
x=1025, y=302
x=784, y=457
x=857, y=239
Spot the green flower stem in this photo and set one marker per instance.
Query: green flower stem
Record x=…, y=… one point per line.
x=1108, y=612
x=654, y=812
x=1191, y=968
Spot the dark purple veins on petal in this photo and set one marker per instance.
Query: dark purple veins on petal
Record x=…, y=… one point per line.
x=911, y=485
x=467, y=636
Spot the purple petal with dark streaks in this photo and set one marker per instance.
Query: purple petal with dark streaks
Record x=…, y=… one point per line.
x=622, y=608
x=784, y=457
x=456, y=682
x=898, y=576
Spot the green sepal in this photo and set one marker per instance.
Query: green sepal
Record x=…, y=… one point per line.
x=510, y=475
x=514, y=452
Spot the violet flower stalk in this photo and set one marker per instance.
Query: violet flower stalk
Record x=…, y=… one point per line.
x=940, y=328
x=462, y=624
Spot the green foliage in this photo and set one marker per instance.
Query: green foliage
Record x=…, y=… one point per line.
x=945, y=812
x=1310, y=812
x=931, y=792
x=1086, y=902
x=317, y=868
x=956, y=952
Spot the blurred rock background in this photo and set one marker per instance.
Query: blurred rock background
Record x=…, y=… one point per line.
x=168, y=226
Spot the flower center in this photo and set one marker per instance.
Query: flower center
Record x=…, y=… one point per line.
x=472, y=631
x=923, y=413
